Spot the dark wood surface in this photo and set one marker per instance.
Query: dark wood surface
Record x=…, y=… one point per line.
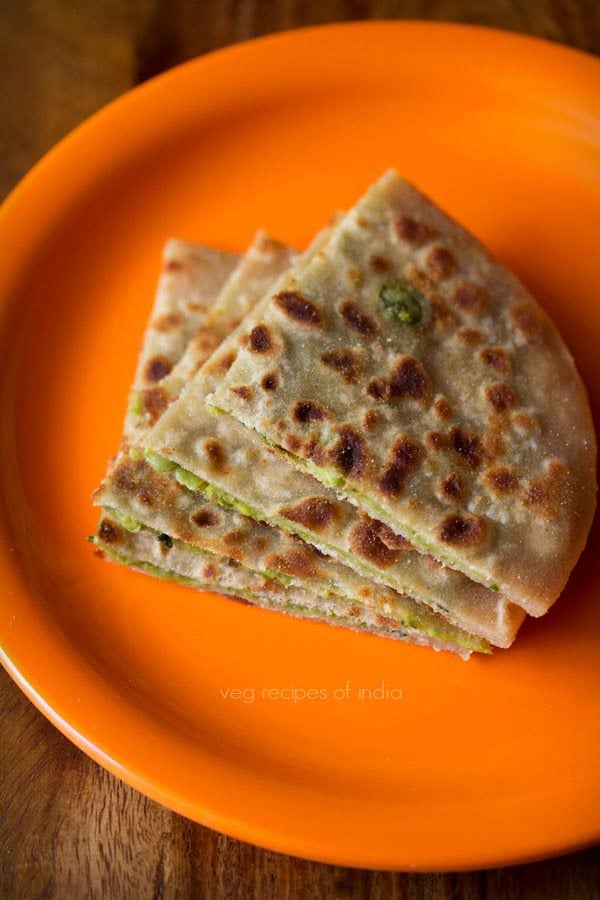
x=68, y=829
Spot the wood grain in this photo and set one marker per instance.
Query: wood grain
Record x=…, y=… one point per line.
x=68, y=829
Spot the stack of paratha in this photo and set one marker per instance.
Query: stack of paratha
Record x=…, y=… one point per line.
x=385, y=432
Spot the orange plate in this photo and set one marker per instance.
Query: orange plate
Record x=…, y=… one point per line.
x=448, y=764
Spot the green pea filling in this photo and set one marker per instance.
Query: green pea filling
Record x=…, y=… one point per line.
x=402, y=301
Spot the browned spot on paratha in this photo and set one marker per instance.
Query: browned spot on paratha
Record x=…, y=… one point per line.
x=292, y=442
x=316, y=513
x=210, y=572
x=468, y=336
x=357, y=319
x=435, y=440
x=306, y=411
x=261, y=339
x=366, y=542
x=408, y=378
x=138, y=479
x=543, y=494
x=234, y=537
x=467, y=531
x=299, y=308
x=298, y=563
x=174, y=265
x=411, y=231
x=501, y=481
x=157, y=368
x=345, y=362
x=224, y=362
x=440, y=262
x=441, y=408
x=349, y=455
x=500, y=397
x=370, y=420
x=110, y=532
x=206, y=518
x=379, y=263
x=390, y=538
x=405, y=455
x=244, y=392
x=495, y=358
x=467, y=446
x=270, y=381
x=452, y=488
x=155, y=402
x=469, y=299
x=168, y=322
x=379, y=389
x=216, y=453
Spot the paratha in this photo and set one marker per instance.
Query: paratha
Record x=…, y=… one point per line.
x=219, y=457
x=176, y=562
x=149, y=511
x=419, y=379
x=192, y=277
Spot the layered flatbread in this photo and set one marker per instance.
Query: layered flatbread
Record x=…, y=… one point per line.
x=173, y=561
x=218, y=457
x=411, y=372
x=192, y=277
x=226, y=550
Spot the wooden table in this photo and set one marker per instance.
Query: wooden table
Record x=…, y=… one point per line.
x=68, y=829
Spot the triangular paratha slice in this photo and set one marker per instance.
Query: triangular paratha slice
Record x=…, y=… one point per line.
x=192, y=277
x=221, y=458
x=226, y=551
x=416, y=376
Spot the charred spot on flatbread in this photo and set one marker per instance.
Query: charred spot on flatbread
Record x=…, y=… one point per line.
x=110, y=532
x=345, y=362
x=496, y=359
x=270, y=381
x=260, y=339
x=365, y=541
x=215, y=451
x=412, y=231
x=452, y=488
x=469, y=299
x=408, y=378
x=441, y=408
x=155, y=402
x=299, y=563
x=501, y=480
x=465, y=531
x=157, y=368
x=243, y=391
x=405, y=455
x=207, y=517
x=440, y=262
x=167, y=322
x=298, y=307
x=500, y=397
x=467, y=446
x=315, y=513
x=370, y=420
x=306, y=411
x=349, y=454
x=379, y=263
x=357, y=319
